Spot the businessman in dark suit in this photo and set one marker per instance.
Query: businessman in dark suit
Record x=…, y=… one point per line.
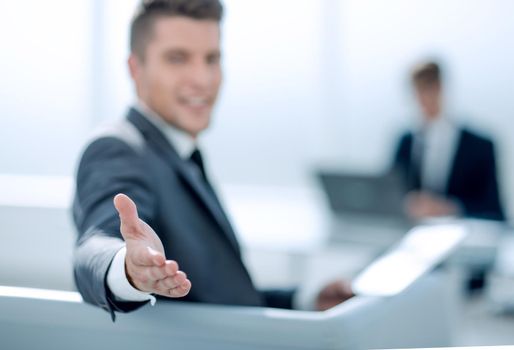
x=169, y=213
x=448, y=169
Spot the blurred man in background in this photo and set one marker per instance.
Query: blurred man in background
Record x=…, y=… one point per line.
x=169, y=209
x=448, y=169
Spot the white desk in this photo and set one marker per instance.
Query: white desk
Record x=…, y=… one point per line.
x=284, y=231
x=48, y=320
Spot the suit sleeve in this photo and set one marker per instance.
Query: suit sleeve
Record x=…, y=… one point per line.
x=279, y=298
x=108, y=167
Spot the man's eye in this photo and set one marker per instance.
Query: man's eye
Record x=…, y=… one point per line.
x=213, y=59
x=176, y=59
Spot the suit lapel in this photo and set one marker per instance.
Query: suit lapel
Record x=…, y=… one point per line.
x=412, y=165
x=154, y=136
x=457, y=163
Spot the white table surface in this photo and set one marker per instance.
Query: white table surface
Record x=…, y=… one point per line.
x=286, y=231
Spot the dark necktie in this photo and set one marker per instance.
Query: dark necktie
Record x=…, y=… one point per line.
x=197, y=159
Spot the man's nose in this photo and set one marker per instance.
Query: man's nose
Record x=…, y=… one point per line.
x=201, y=75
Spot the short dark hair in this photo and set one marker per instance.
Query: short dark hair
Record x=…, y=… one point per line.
x=150, y=10
x=427, y=74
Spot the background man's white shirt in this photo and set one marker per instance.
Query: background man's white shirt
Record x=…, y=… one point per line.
x=440, y=141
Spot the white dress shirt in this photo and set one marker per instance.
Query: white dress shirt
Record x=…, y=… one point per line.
x=184, y=144
x=440, y=139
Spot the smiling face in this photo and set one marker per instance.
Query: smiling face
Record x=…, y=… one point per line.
x=179, y=75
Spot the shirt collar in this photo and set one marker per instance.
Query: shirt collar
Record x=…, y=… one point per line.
x=183, y=143
x=438, y=125
x=441, y=125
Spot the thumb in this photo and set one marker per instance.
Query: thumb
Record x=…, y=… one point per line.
x=130, y=224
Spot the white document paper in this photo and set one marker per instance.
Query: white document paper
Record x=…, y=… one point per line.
x=422, y=249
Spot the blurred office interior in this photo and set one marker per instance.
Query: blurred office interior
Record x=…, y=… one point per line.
x=308, y=84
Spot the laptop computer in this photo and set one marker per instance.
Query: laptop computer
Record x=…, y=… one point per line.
x=351, y=194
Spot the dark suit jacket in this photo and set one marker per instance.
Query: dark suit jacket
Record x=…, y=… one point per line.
x=135, y=158
x=472, y=180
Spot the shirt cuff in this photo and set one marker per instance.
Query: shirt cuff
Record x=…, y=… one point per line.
x=120, y=286
x=304, y=299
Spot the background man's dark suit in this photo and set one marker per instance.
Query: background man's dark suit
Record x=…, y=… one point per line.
x=135, y=158
x=472, y=178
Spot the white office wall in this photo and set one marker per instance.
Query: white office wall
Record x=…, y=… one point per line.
x=266, y=122
x=44, y=84
x=306, y=81
x=114, y=87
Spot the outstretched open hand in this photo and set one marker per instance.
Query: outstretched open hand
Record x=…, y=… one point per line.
x=145, y=263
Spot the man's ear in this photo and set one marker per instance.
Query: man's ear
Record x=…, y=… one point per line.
x=134, y=64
